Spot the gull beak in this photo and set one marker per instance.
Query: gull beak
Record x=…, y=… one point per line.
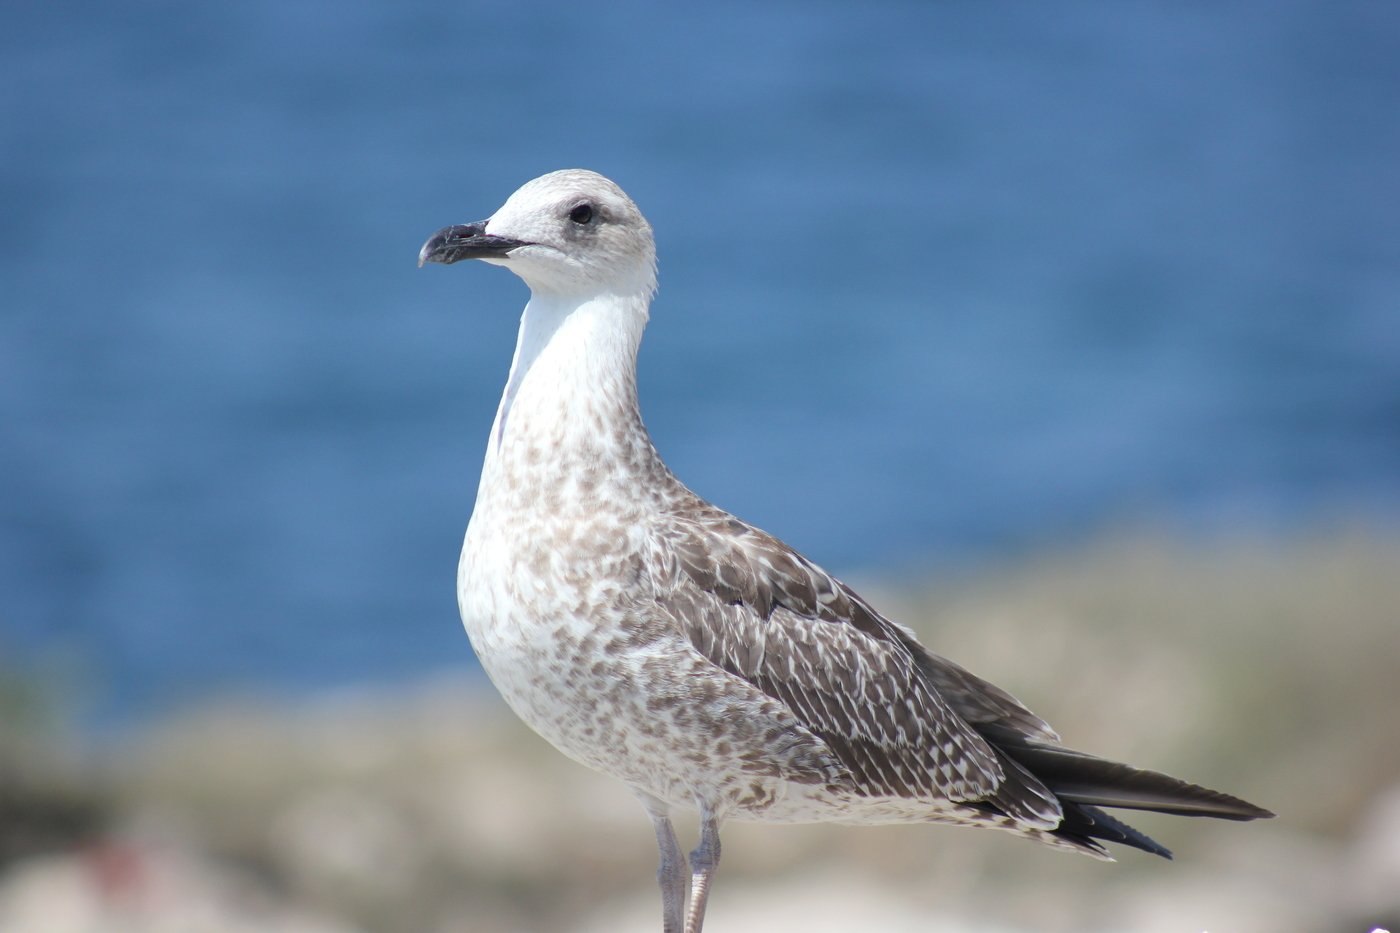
x=465, y=241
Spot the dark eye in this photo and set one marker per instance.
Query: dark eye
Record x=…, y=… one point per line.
x=581, y=214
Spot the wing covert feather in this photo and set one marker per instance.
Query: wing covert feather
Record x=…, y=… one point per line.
x=890, y=711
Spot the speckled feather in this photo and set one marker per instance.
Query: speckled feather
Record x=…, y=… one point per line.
x=659, y=639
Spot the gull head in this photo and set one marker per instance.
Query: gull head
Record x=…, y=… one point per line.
x=571, y=232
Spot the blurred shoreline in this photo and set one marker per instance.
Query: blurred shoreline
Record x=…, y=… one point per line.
x=1264, y=668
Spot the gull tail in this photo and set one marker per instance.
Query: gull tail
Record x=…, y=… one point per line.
x=1084, y=783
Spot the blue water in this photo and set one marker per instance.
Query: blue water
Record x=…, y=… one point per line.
x=940, y=283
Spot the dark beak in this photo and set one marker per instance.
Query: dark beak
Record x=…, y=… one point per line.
x=465, y=241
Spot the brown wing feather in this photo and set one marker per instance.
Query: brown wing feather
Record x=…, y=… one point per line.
x=982, y=703
x=895, y=715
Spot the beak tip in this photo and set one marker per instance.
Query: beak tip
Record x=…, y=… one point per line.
x=465, y=241
x=433, y=250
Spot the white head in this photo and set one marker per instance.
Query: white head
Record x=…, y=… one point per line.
x=572, y=233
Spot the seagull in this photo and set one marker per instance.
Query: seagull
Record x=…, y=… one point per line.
x=704, y=663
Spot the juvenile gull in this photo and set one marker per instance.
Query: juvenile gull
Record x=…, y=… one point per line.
x=659, y=639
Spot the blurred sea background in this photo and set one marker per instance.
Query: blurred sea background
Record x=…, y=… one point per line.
x=1070, y=330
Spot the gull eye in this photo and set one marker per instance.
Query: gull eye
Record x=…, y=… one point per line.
x=581, y=214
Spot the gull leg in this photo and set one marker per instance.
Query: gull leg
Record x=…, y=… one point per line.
x=671, y=874
x=703, y=862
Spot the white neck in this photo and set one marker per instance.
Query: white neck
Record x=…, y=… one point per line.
x=574, y=369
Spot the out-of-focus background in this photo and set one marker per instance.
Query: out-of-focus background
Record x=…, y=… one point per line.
x=1070, y=333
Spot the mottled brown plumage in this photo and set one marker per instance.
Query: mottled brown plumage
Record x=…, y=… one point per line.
x=659, y=639
x=901, y=721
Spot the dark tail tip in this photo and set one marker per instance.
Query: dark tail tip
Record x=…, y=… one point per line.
x=1086, y=779
x=1084, y=783
x=1084, y=822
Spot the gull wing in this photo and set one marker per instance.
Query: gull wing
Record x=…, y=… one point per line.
x=901, y=720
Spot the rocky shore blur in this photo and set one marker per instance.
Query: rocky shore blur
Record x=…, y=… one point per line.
x=1268, y=670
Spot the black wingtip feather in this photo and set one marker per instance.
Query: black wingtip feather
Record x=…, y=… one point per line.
x=1084, y=783
x=1083, y=823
